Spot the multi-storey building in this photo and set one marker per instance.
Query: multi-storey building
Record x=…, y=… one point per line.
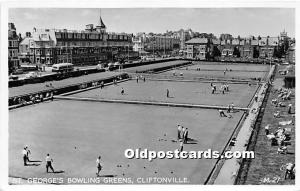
x=138, y=45
x=198, y=48
x=89, y=46
x=158, y=43
x=267, y=46
x=233, y=47
x=13, y=47
x=246, y=49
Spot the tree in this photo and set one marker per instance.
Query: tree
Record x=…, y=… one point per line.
x=255, y=52
x=236, y=52
x=215, y=52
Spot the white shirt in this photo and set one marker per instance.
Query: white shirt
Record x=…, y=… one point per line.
x=24, y=152
x=98, y=162
x=179, y=128
x=48, y=159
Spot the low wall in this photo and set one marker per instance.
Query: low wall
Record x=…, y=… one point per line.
x=64, y=89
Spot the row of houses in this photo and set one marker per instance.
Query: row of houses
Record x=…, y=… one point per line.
x=200, y=48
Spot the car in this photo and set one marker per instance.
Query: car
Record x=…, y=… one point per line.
x=31, y=75
x=18, y=71
x=13, y=77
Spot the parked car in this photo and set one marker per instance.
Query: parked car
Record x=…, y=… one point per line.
x=18, y=71
x=31, y=75
x=13, y=77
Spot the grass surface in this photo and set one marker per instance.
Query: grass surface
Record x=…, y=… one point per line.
x=180, y=92
x=107, y=130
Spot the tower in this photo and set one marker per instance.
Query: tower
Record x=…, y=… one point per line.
x=101, y=26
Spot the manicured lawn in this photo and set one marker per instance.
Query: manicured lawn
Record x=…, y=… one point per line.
x=108, y=129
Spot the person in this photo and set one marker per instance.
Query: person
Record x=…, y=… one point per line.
x=122, y=91
x=222, y=114
x=224, y=72
x=223, y=89
x=290, y=108
x=51, y=96
x=212, y=90
x=185, y=135
x=99, y=166
x=137, y=79
x=182, y=132
x=33, y=99
x=144, y=79
x=27, y=153
x=41, y=97
x=102, y=85
x=267, y=131
x=24, y=153
x=168, y=93
x=289, y=170
x=179, y=129
x=49, y=161
x=256, y=98
x=181, y=145
x=215, y=87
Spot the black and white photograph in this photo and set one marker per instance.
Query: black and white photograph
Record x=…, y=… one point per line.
x=148, y=95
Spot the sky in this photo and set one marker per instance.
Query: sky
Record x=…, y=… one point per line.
x=235, y=21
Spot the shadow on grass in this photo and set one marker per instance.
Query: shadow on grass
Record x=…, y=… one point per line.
x=107, y=175
x=34, y=161
x=290, y=153
x=191, y=141
x=34, y=164
x=58, y=171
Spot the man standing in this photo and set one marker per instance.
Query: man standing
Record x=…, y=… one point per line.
x=49, y=161
x=182, y=132
x=181, y=145
x=24, y=153
x=122, y=91
x=185, y=135
x=168, y=93
x=179, y=129
x=27, y=153
x=99, y=166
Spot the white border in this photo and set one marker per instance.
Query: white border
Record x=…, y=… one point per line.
x=6, y=4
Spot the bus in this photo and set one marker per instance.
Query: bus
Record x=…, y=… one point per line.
x=63, y=67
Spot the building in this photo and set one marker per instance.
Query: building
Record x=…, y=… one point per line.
x=85, y=47
x=226, y=47
x=246, y=49
x=291, y=54
x=197, y=48
x=13, y=48
x=226, y=37
x=161, y=44
x=267, y=46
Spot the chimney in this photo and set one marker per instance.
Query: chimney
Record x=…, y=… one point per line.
x=28, y=34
